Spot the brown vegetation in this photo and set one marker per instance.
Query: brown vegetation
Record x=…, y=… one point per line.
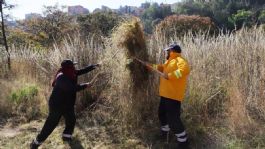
x=224, y=106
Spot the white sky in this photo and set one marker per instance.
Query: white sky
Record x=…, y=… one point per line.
x=36, y=6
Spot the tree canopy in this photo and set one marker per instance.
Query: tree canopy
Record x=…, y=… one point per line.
x=226, y=14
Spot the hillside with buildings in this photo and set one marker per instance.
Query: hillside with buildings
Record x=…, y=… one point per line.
x=205, y=58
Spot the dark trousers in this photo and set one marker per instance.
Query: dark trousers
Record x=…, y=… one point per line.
x=169, y=114
x=53, y=120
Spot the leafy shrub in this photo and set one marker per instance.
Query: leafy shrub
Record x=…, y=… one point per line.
x=24, y=95
x=21, y=38
x=262, y=17
x=181, y=24
x=100, y=23
x=242, y=17
x=25, y=102
x=54, y=26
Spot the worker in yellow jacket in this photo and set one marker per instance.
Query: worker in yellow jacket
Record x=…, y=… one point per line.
x=173, y=82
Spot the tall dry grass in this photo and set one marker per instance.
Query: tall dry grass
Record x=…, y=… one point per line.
x=133, y=88
x=225, y=94
x=38, y=68
x=226, y=84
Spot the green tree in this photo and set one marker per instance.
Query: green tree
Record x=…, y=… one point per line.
x=181, y=24
x=52, y=27
x=3, y=4
x=261, y=17
x=100, y=23
x=18, y=37
x=220, y=11
x=153, y=14
x=242, y=17
x=256, y=2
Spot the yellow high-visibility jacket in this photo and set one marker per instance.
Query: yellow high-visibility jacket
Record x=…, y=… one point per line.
x=178, y=70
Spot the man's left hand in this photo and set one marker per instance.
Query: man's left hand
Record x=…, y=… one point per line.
x=165, y=75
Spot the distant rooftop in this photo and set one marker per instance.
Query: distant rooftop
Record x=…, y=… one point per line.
x=32, y=15
x=78, y=9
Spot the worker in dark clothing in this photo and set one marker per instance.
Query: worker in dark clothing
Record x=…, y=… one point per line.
x=62, y=101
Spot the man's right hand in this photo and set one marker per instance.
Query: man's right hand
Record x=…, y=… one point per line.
x=149, y=67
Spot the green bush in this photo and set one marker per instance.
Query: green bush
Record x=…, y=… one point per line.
x=25, y=102
x=262, y=17
x=100, y=23
x=242, y=17
x=182, y=24
x=24, y=94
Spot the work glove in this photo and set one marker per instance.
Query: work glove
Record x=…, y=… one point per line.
x=94, y=66
x=165, y=76
x=88, y=85
x=149, y=67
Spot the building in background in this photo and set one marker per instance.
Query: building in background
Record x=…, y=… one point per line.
x=32, y=16
x=103, y=9
x=76, y=10
x=132, y=10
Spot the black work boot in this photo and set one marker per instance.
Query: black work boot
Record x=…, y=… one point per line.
x=34, y=145
x=67, y=138
x=184, y=145
x=164, y=136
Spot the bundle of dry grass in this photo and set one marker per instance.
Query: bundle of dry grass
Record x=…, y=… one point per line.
x=226, y=84
x=130, y=88
x=130, y=37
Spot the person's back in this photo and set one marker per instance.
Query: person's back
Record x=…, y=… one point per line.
x=62, y=101
x=64, y=92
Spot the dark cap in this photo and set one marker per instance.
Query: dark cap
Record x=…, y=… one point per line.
x=174, y=47
x=67, y=62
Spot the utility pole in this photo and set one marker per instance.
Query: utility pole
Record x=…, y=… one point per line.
x=4, y=35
